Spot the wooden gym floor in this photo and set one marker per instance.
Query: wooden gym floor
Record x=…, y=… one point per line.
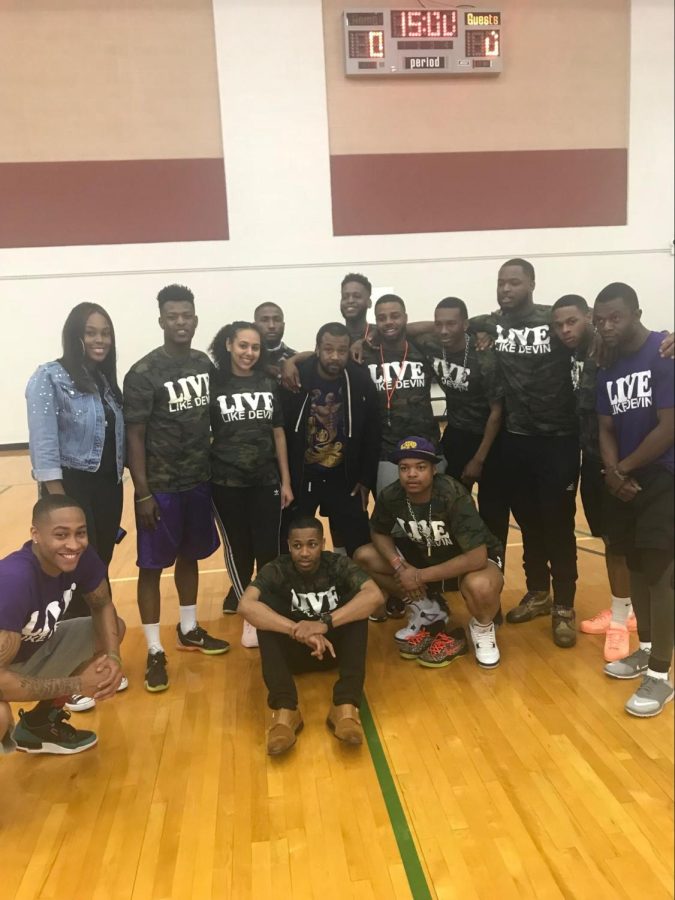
x=528, y=781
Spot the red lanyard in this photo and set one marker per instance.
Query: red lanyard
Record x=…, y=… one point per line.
x=367, y=332
x=390, y=391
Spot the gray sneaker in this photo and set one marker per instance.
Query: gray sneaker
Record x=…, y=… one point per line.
x=630, y=666
x=650, y=697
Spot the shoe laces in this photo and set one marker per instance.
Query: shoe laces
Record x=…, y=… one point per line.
x=599, y=618
x=443, y=641
x=484, y=637
x=415, y=639
x=615, y=636
x=649, y=686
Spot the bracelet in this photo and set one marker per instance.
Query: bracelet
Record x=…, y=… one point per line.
x=143, y=499
x=116, y=657
x=619, y=474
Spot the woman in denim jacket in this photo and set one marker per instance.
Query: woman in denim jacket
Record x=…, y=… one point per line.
x=76, y=427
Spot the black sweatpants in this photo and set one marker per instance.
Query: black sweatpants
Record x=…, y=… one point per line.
x=282, y=657
x=458, y=448
x=100, y=496
x=331, y=494
x=249, y=520
x=541, y=475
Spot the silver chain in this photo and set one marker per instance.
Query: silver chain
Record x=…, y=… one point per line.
x=427, y=536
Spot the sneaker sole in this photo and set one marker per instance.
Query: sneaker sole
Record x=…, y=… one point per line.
x=487, y=665
x=648, y=715
x=77, y=709
x=438, y=624
x=405, y=655
x=157, y=689
x=202, y=650
x=441, y=665
x=56, y=749
x=626, y=677
x=229, y=612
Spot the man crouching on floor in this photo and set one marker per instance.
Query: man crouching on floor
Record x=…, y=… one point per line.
x=42, y=656
x=311, y=610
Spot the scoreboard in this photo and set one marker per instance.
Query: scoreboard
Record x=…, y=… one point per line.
x=423, y=41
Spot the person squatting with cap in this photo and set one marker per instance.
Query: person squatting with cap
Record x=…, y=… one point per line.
x=426, y=530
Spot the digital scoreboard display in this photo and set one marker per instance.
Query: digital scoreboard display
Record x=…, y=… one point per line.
x=442, y=41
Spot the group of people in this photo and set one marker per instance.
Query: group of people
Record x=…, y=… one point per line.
x=252, y=440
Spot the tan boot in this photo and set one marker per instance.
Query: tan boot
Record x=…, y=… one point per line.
x=345, y=723
x=281, y=734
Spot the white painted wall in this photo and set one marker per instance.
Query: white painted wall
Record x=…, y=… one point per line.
x=276, y=156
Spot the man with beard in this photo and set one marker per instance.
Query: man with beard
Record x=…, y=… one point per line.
x=635, y=403
x=333, y=437
x=540, y=447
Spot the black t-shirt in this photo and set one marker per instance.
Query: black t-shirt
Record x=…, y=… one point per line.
x=325, y=425
x=245, y=410
x=535, y=371
x=298, y=597
x=470, y=382
x=109, y=456
x=170, y=396
x=403, y=387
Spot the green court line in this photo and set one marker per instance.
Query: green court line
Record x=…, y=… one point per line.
x=417, y=881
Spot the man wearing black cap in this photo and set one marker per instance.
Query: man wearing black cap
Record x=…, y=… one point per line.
x=426, y=530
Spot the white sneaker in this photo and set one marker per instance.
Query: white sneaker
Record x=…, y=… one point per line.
x=423, y=613
x=79, y=703
x=249, y=636
x=124, y=684
x=484, y=640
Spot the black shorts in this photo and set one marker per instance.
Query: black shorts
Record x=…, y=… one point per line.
x=646, y=521
x=416, y=556
x=594, y=495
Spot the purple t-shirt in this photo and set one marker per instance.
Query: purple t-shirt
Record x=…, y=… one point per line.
x=32, y=602
x=632, y=391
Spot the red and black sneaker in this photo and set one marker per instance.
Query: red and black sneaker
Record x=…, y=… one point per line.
x=415, y=645
x=443, y=649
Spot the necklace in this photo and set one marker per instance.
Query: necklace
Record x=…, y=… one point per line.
x=427, y=536
x=390, y=391
x=466, y=354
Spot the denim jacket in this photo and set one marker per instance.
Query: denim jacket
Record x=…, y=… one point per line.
x=67, y=427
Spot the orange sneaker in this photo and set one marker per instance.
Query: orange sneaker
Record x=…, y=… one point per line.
x=631, y=622
x=617, y=642
x=598, y=624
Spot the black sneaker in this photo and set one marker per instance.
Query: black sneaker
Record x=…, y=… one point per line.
x=156, y=678
x=230, y=603
x=198, y=639
x=395, y=607
x=53, y=736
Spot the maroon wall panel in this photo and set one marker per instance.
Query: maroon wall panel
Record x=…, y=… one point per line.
x=53, y=204
x=422, y=192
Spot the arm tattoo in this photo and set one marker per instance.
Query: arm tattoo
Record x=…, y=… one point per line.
x=48, y=688
x=99, y=597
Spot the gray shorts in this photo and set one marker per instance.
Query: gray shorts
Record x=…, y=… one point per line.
x=71, y=644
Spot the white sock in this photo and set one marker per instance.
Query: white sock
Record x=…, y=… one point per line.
x=341, y=551
x=152, y=637
x=621, y=609
x=476, y=624
x=188, y=618
x=662, y=676
x=646, y=645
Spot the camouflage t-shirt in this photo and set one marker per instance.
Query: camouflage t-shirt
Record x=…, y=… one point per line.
x=403, y=387
x=244, y=413
x=445, y=528
x=470, y=382
x=535, y=372
x=170, y=396
x=298, y=597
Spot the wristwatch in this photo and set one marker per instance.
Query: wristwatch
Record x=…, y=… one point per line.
x=327, y=619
